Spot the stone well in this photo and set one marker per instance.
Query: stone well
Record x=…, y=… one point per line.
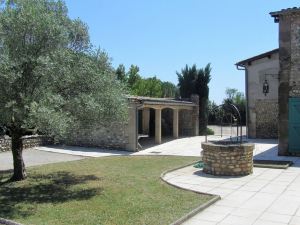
x=227, y=158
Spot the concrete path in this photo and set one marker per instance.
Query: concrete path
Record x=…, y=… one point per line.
x=33, y=158
x=189, y=146
x=227, y=130
x=267, y=197
x=82, y=151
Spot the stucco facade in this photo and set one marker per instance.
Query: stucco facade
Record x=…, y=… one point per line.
x=262, y=108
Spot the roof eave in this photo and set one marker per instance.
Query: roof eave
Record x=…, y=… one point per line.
x=243, y=63
x=277, y=14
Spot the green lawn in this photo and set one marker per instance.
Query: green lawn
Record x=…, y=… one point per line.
x=111, y=190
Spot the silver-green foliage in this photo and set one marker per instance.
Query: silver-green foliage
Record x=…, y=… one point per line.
x=51, y=78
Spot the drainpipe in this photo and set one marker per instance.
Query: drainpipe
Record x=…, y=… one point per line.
x=243, y=67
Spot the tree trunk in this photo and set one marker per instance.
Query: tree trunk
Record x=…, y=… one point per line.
x=17, y=150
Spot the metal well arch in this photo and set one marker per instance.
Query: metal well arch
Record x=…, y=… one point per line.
x=230, y=110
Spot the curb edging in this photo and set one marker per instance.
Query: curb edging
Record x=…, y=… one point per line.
x=8, y=222
x=199, y=208
x=196, y=210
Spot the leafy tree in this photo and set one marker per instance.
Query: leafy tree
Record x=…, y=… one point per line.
x=195, y=81
x=237, y=98
x=169, y=90
x=133, y=75
x=186, y=81
x=231, y=93
x=121, y=73
x=234, y=96
x=150, y=87
x=212, y=112
x=51, y=79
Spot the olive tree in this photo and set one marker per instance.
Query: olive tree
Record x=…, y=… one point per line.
x=51, y=78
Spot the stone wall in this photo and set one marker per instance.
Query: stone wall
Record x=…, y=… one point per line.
x=289, y=47
x=29, y=141
x=5, y=143
x=266, y=119
x=227, y=160
x=186, y=123
x=111, y=136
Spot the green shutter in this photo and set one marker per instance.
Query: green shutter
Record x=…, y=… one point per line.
x=294, y=125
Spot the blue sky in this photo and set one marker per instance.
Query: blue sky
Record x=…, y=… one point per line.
x=162, y=36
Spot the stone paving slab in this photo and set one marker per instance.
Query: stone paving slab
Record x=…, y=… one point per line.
x=268, y=196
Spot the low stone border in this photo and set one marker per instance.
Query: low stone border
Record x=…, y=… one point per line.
x=273, y=164
x=199, y=208
x=28, y=141
x=8, y=222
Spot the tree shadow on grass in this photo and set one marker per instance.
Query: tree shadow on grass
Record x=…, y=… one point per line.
x=4, y=176
x=22, y=199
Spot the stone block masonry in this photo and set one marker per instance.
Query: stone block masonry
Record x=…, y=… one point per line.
x=289, y=58
x=227, y=159
x=5, y=143
x=29, y=141
x=266, y=119
x=108, y=136
x=186, y=123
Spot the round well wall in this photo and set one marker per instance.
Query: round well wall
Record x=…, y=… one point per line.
x=227, y=159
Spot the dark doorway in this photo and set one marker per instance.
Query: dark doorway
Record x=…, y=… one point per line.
x=167, y=122
x=140, y=121
x=152, y=123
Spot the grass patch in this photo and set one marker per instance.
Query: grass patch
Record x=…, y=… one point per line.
x=110, y=190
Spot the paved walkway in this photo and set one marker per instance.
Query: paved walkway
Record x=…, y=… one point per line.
x=267, y=197
x=82, y=151
x=189, y=146
x=34, y=158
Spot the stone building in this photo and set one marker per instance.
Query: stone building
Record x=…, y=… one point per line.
x=148, y=118
x=273, y=87
x=262, y=108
